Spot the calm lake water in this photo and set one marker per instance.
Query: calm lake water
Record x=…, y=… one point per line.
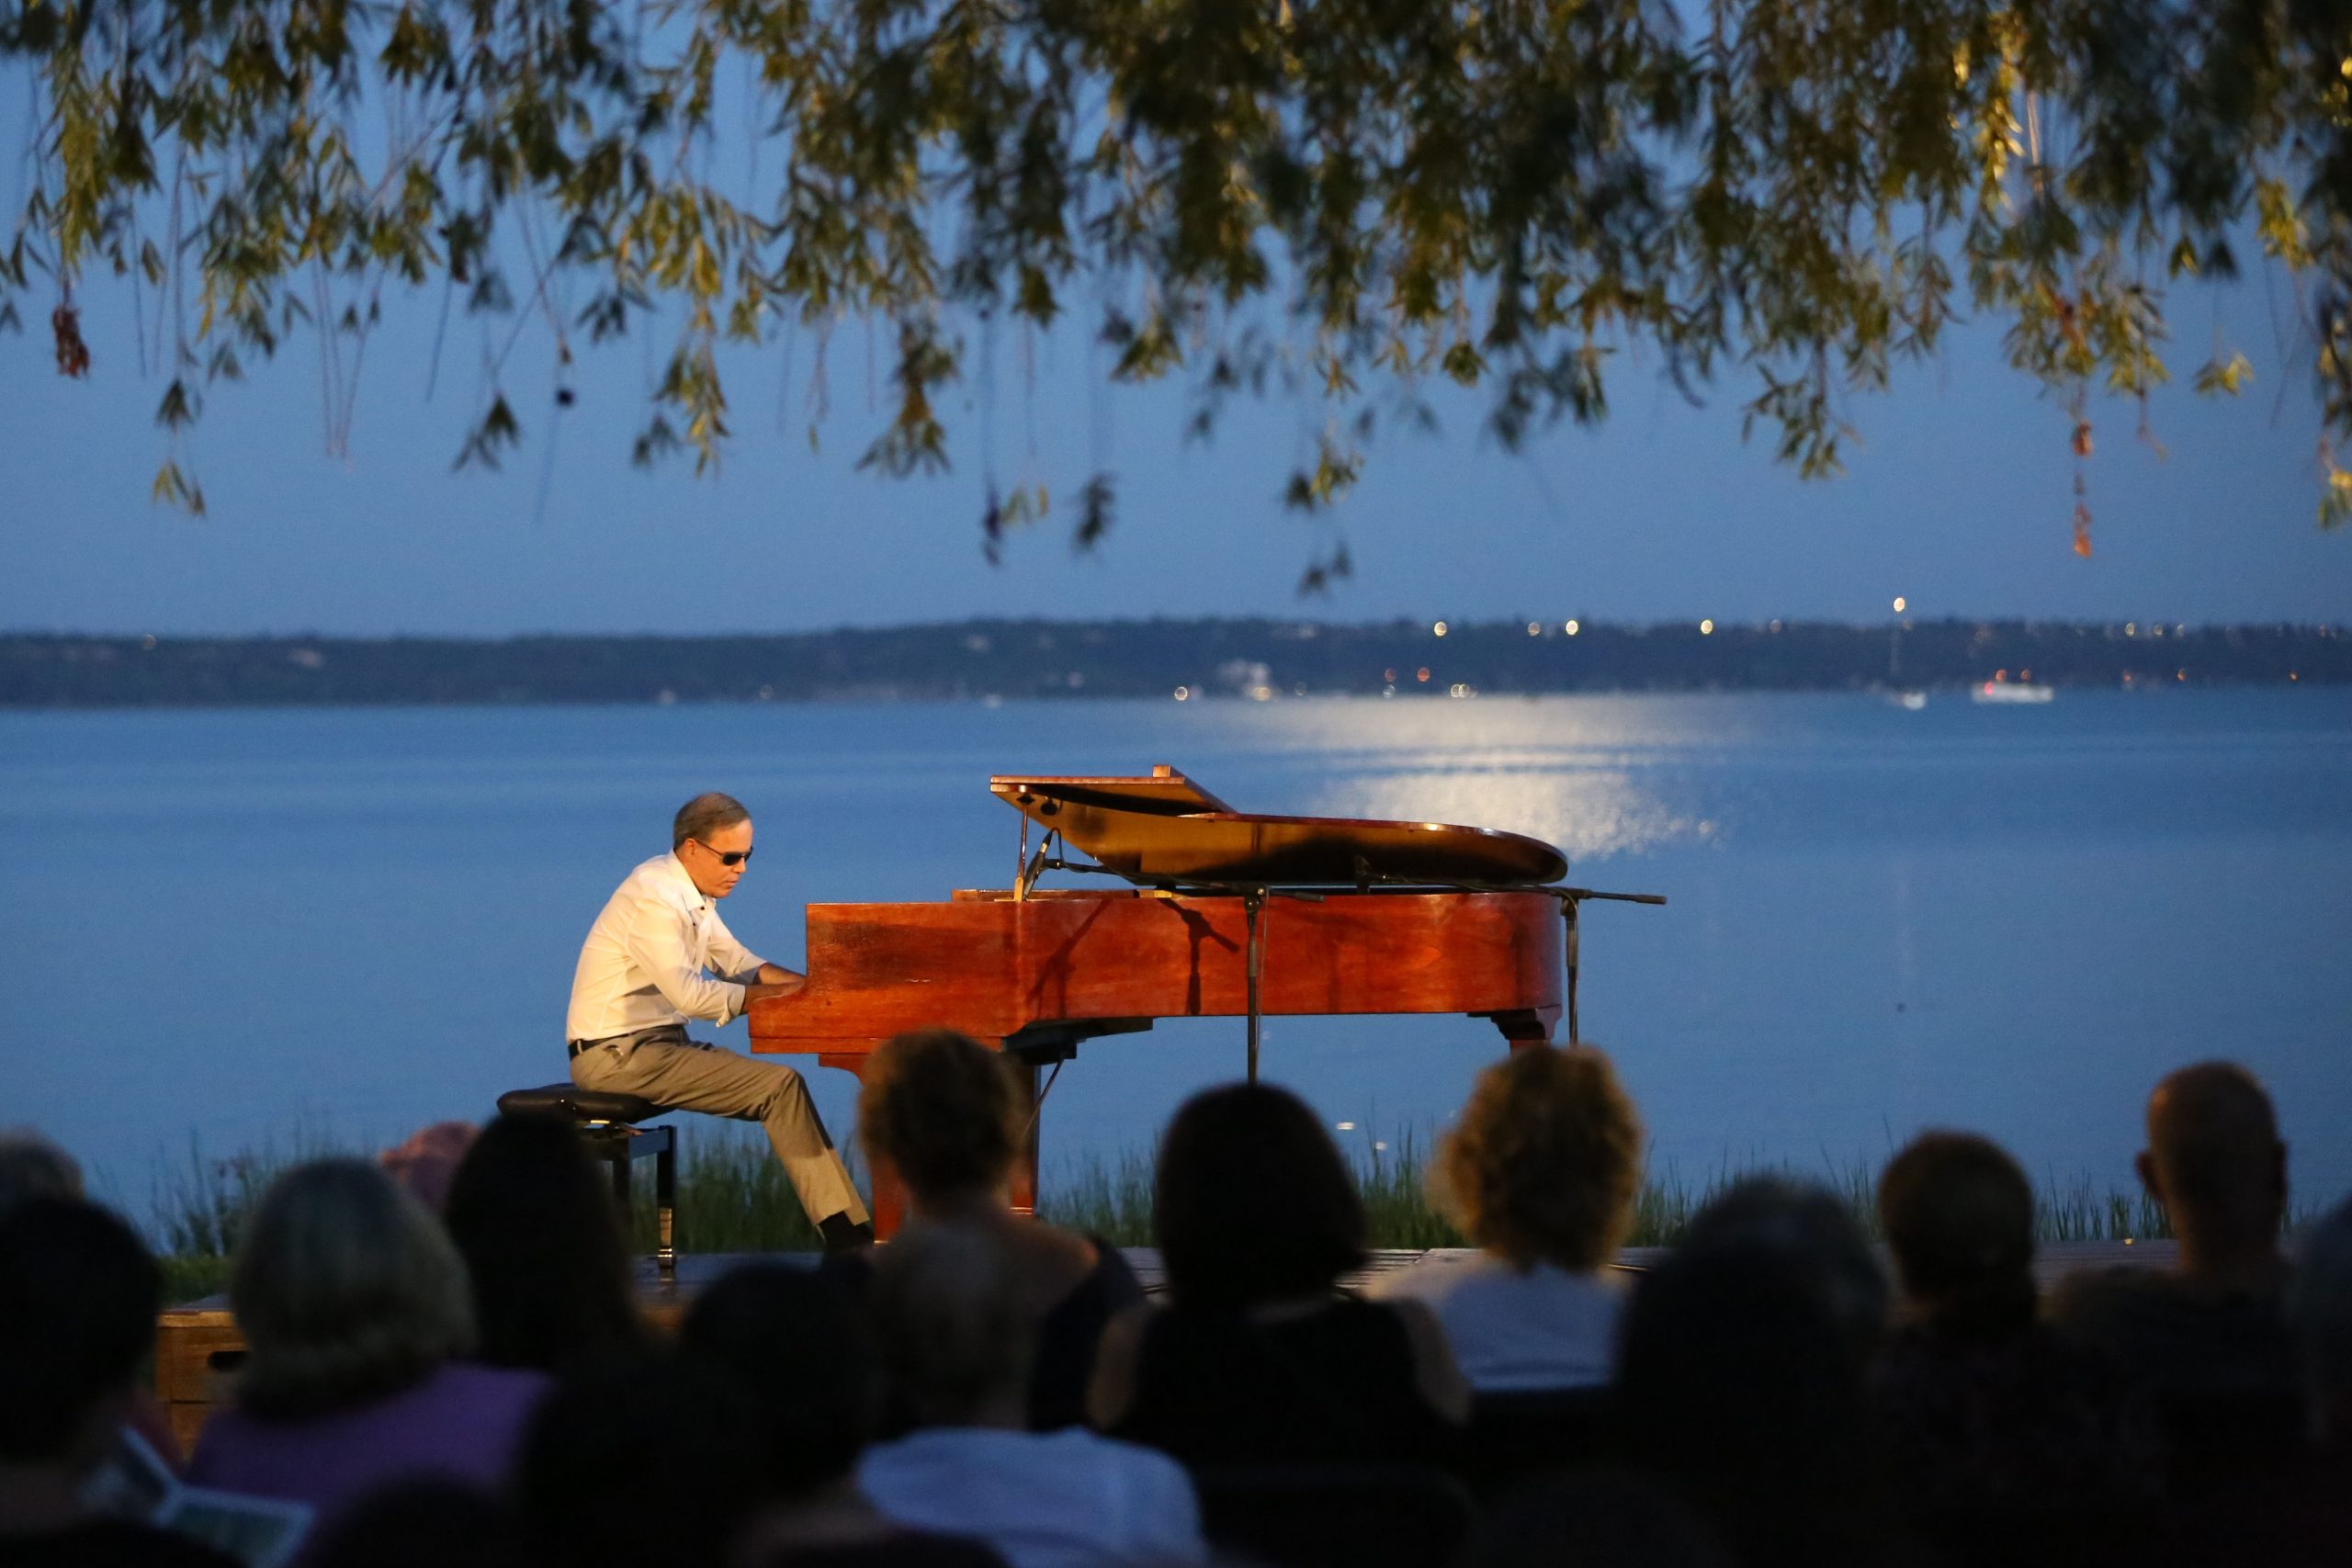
x=244, y=926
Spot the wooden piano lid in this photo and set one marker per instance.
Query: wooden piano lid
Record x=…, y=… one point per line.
x=1164, y=828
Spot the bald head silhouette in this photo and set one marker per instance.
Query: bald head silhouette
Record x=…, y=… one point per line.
x=2214, y=1160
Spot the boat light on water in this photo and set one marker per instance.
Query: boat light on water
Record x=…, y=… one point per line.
x=2011, y=692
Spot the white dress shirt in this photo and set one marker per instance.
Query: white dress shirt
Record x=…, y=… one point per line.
x=658, y=954
x=1517, y=1329
x=1066, y=1499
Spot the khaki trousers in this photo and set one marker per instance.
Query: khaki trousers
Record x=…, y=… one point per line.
x=678, y=1074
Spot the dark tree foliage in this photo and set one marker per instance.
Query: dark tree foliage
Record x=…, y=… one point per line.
x=1344, y=201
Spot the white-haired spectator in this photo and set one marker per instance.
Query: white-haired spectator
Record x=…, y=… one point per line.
x=957, y=1333
x=354, y=1303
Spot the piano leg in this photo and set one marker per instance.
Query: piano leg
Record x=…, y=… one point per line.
x=1523, y=1027
x=887, y=1200
x=1024, y=1162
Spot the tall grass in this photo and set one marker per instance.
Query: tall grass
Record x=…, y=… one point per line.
x=732, y=1197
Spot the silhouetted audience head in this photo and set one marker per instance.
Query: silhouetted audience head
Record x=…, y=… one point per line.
x=791, y=1339
x=346, y=1289
x=32, y=1167
x=1546, y=1160
x=942, y=1110
x=540, y=1233
x=1959, y=1217
x=1252, y=1202
x=1741, y=1369
x=2215, y=1161
x=425, y=1162
x=78, y=1298
x=1811, y=1223
x=418, y=1524
x=954, y=1331
x=2321, y=1311
x=651, y=1465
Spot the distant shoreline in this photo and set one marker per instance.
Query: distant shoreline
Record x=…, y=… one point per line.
x=1261, y=658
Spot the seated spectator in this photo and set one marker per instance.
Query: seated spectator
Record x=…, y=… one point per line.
x=1741, y=1379
x=1260, y=1357
x=947, y=1114
x=78, y=1298
x=1541, y=1173
x=2208, y=1338
x=536, y=1223
x=2319, y=1309
x=427, y=1161
x=31, y=1166
x=654, y=1464
x=955, y=1329
x=1998, y=1432
x=354, y=1309
x=789, y=1337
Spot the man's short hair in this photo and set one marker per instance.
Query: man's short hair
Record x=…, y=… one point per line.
x=78, y=1298
x=942, y=1110
x=703, y=815
x=1958, y=1213
x=954, y=1330
x=2213, y=1136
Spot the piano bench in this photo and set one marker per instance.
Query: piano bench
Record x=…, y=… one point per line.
x=605, y=1123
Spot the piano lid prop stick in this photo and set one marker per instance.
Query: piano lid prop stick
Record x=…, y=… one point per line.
x=1568, y=913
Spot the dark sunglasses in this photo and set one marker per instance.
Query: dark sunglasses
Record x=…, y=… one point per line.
x=726, y=857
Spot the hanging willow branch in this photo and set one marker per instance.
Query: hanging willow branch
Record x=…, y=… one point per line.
x=1339, y=201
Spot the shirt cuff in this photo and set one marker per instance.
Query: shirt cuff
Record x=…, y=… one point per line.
x=732, y=1007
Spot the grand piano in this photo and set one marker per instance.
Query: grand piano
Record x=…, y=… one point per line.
x=1215, y=913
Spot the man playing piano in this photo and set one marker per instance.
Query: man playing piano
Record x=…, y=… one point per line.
x=657, y=955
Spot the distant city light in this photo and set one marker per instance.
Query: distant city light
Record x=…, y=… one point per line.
x=1183, y=693
x=1899, y=603
x=1706, y=628
x=1421, y=674
x=1345, y=1126
x=1439, y=628
x=1534, y=628
x=1388, y=674
x=2131, y=628
x=1572, y=628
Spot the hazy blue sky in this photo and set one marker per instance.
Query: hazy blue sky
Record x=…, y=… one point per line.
x=1958, y=496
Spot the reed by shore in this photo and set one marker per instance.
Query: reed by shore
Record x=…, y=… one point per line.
x=732, y=1198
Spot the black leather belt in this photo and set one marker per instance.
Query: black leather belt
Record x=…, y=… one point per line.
x=678, y=1030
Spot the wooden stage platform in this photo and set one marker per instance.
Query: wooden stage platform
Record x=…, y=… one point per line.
x=198, y=1348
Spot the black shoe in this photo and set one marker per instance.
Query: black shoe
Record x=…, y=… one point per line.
x=842, y=1234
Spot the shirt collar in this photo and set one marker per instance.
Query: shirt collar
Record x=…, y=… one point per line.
x=678, y=867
